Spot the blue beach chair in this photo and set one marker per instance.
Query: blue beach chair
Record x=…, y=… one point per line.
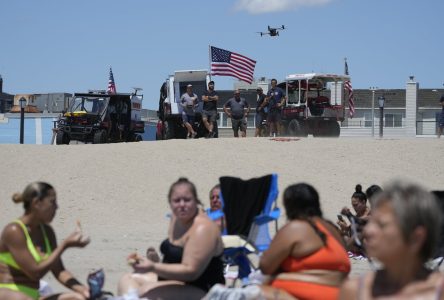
x=248, y=206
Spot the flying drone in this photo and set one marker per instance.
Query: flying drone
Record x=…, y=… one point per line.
x=272, y=31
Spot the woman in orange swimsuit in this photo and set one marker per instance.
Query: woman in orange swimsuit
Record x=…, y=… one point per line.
x=402, y=233
x=28, y=249
x=306, y=258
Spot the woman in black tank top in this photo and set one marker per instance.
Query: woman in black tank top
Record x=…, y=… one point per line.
x=191, y=262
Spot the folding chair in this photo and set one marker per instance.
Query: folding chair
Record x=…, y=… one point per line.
x=248, y=206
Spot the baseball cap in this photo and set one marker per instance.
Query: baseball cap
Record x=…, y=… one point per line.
x=190, y=85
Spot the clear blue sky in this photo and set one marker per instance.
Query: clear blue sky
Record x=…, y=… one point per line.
x=68, y=46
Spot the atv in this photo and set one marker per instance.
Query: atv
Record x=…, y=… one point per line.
x=100, y=118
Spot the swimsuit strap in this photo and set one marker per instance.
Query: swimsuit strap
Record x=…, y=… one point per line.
x=30, y=244
x=47, y=244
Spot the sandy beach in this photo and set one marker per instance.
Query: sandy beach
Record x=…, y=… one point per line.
x=118, y=191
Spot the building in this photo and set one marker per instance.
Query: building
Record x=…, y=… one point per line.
x=6, y=100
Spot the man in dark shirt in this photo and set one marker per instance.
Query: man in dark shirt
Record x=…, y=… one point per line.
x=441, y=118
x=276, y=100
x=237, y=109
x=209, y=110
x=261, y=115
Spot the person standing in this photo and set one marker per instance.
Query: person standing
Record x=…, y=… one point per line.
x=261, y=115
x=276, y=100
x=237, y=109
x=209, y=111
x=441, y=118
x=188, y=102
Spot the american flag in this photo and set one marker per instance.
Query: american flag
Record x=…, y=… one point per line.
x=111, y=84
x=351, y=99
x=227, y=63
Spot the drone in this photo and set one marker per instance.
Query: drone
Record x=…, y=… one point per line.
x=272, y=31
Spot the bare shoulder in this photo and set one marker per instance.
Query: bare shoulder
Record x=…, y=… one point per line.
x=11, y=236
x=205, y=225
x=296, y=229
x=12, y=230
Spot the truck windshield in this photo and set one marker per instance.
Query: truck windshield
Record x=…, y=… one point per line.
x=92, y=105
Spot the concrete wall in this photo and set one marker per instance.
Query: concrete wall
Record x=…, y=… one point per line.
x=410, y=108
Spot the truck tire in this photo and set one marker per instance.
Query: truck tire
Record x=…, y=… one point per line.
x=62, y=138
x=100, y=137
x=169, y=129
x=335, y=129
x=297, y=128
x=138, y=138
x=319, y=129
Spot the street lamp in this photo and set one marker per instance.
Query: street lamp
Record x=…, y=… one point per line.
x=373, y=89
x=22, y=102
x=381, y=101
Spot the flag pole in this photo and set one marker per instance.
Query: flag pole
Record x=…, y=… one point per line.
x=343, y=83
x=209, y=60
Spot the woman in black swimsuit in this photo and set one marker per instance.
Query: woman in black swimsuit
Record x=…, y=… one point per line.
x=192, y=252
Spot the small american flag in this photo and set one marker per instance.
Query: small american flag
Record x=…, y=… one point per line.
x=351, y=99
x=111, y=84
x=227, y=63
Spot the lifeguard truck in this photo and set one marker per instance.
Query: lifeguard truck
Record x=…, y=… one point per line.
x=98, y=118
x=170, y=125
x=314, y=104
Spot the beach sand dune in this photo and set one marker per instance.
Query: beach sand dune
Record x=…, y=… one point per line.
x=118, y=191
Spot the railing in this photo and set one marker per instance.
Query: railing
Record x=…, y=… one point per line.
x=357, y=123
x=426, y=127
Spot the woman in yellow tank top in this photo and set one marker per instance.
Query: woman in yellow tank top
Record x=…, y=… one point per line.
x=28, y=249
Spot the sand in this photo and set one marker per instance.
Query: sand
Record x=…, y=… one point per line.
x=118, y=191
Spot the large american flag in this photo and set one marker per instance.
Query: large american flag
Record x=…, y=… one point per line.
x=351, y=99
x=111, y=84
x=227, y=63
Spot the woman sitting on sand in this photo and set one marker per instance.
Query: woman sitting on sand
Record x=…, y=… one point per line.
x=402, y=233
x=191, y=254
x=362, y=213
x=28, y=248
x=215, y=212
x=306, y=258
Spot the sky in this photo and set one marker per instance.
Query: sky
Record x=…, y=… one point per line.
x=68, y=46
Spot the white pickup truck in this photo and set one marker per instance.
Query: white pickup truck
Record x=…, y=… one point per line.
x=170, y=124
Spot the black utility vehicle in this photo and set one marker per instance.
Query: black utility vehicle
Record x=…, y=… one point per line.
x=100, y=118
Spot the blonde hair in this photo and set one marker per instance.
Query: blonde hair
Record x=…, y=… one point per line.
x=32, y=190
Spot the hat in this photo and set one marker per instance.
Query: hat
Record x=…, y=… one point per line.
x=190, y=85
x=258, y=88
x=442, y=99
